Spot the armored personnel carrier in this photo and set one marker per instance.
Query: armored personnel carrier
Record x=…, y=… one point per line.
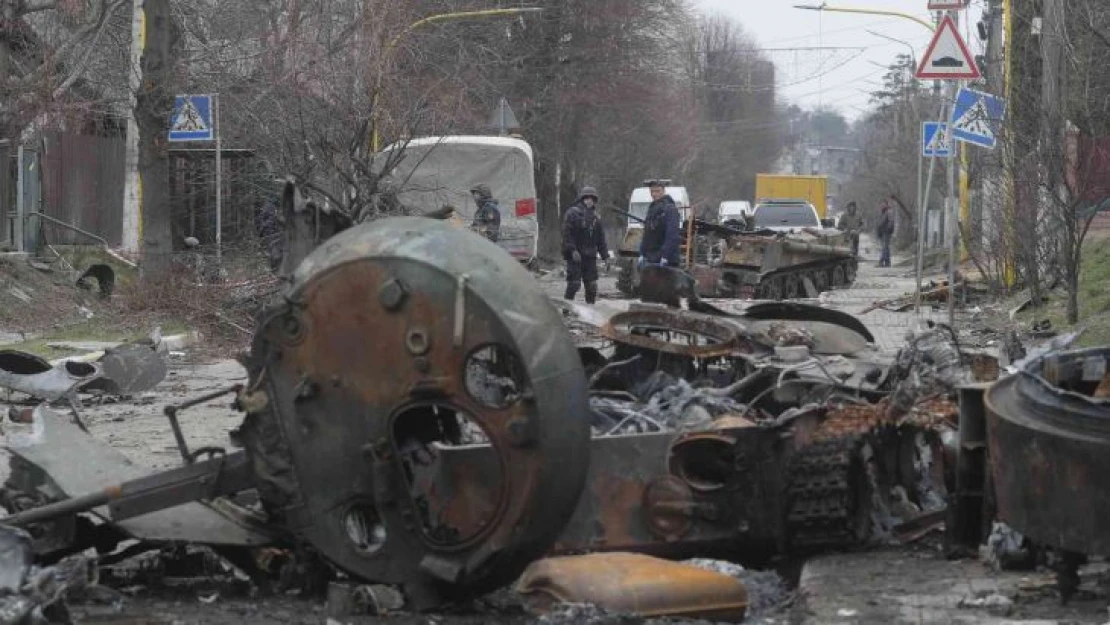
x=786, y=253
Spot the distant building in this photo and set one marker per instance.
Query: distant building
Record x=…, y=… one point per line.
x=837, y=163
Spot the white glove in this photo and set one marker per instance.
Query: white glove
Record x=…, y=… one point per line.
x=663, y=262
x=610, y=255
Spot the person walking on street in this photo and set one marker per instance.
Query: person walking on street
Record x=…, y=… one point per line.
x=583, y=244
x=885, y=230
x=487, y=219
x=661, y=239
x=851, y=222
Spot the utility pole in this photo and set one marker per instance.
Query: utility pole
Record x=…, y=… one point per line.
x=153, y=106
x=991, y=193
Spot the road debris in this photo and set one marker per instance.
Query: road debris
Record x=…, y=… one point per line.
x=1048, y=440
x=31, y=375
x=633, y=584
x=774, y=431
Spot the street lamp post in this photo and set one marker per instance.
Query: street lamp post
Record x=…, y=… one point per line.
x=824, y=6
x=922, y=194
x=387, y=51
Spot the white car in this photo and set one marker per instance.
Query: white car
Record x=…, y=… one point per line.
x=786, y=216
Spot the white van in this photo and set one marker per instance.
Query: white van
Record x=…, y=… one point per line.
x=437, y=171
x=641, y=200
x=736, y=210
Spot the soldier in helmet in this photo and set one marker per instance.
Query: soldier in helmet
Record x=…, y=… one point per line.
x=487, y=219
x=583, y=244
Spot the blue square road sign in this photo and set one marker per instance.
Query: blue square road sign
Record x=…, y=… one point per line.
x=977, y=117
x=192, y=119
x=936, y=140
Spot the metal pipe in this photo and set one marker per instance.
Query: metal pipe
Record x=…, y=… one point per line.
x=65, y=507
x=63, y=224
x=175, y=425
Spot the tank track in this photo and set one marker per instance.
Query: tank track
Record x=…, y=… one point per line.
x=787, y=283
x=826, y=480
x=833, y=480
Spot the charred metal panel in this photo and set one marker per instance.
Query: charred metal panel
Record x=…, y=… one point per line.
x=390, y=352
x=1049, y=443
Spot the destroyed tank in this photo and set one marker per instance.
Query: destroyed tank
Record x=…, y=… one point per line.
x=759, y=265
x=777, y=266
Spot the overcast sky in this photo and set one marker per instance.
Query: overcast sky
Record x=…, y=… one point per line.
x=841, y=79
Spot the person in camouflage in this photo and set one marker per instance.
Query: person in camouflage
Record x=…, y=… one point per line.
x=487, y=219
x=583, y=244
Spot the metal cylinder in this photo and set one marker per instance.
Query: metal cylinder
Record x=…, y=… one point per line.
x=401, y=343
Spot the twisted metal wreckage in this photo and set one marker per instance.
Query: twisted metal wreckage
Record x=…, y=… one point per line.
x=417, y=414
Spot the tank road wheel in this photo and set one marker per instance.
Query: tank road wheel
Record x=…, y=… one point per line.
x=850, y=271
x=821, y=280
x=771, y=289
x=792, y=285
x=839, y=277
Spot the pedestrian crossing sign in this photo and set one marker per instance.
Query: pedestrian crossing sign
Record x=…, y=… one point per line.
x=192, y=119
x=936, y=140
x=977, y=117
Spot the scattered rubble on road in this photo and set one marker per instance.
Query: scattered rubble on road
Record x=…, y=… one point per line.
x=488, y=436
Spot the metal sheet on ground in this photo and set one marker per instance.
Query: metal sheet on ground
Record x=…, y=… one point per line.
x=100, y=466
x=130, y=369
x=828, y=339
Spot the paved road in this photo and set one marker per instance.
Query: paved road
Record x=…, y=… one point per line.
x=873, y=284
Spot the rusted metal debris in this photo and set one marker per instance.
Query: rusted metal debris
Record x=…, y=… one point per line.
x=1049, y=442
x=633, y=584
x=421, y=419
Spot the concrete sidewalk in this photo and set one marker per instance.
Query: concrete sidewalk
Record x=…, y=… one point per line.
x=921, y=587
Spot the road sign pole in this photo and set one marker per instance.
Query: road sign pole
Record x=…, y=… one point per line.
x=219, y=182
x=952, y=216
x=922, y=230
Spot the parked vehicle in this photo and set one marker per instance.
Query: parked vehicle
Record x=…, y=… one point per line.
x=440, y=171
x=812, y=189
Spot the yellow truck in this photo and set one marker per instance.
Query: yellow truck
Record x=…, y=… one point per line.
x=812, y=189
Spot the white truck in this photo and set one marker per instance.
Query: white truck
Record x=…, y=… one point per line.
x=439, y=171
x=641, y=200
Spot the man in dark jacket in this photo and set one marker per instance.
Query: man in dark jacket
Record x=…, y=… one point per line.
x=885, y=230
x=487, y=219
x=659, y=245
x=583, y=244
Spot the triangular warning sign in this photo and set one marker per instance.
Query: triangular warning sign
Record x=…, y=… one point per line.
x=947, y=57
x=189, y=119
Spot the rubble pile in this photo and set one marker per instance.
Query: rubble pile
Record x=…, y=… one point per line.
x=662, y=403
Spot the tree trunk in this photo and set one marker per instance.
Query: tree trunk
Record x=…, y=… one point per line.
x=1073, y=291
x=153, y=109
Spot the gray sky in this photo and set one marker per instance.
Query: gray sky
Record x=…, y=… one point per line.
x=840, y=79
